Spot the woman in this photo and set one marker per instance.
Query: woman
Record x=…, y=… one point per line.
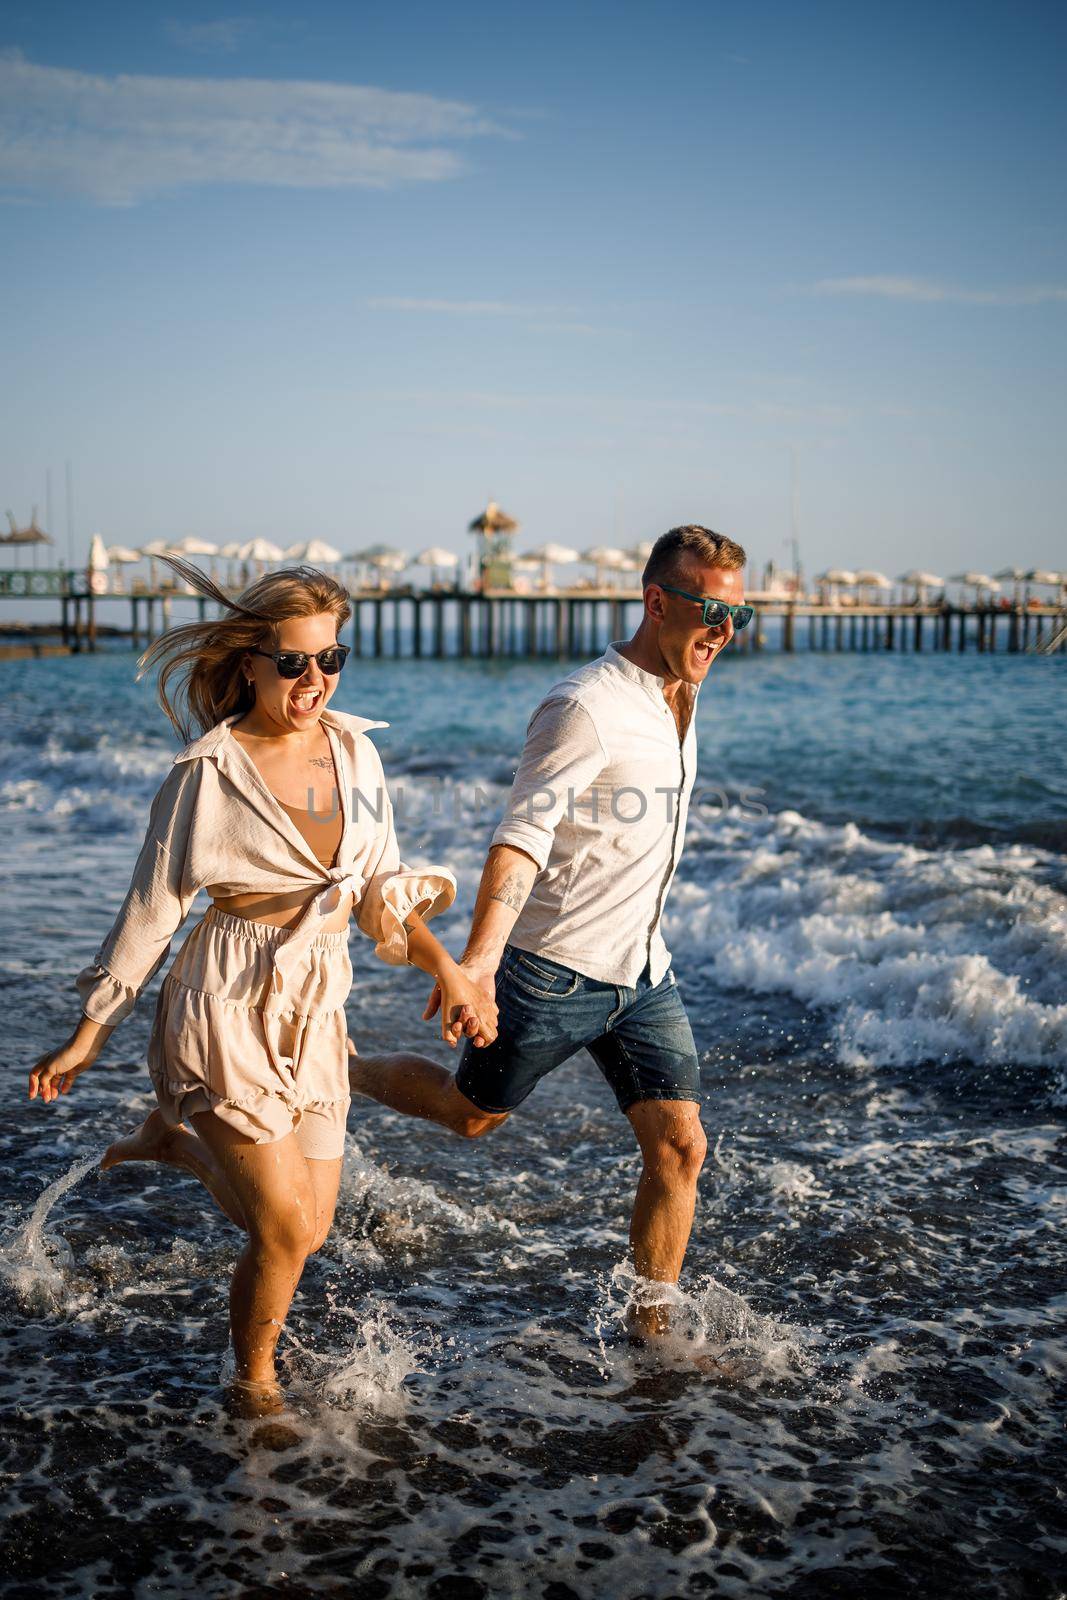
x=279, y=811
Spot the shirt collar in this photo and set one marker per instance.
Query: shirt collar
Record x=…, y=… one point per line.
x=646, y=680
x=638, y=675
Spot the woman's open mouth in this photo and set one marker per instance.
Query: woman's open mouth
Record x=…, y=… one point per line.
x=306, y=701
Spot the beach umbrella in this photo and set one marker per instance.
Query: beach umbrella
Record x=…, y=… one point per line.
x=920, y=582
x=230, y=553
x=382, y=555
x=1054, y=580
x=30, y=535
x=192, y=546
x=384, y=558
x=835, y=578
x=641, y=551
x=871, y=580
x=120, y=555
x=314, y=553
x=1016, y=576
x=97, y=565
x=438, y=559
x=553, y=555
x=976, y=581
x=603, y=557
x=156, y=548
x=436, y=556
x=260, y=550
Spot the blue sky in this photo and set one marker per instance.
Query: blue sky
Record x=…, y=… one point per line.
x=352, y=270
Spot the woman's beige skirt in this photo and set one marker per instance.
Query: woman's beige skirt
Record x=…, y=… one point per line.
x=267, y=1073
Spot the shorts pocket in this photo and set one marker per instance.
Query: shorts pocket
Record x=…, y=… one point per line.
x=546, y=980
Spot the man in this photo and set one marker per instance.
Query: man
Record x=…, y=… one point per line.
x=566, y=930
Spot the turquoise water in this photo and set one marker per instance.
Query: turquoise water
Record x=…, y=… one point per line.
x=869, y=930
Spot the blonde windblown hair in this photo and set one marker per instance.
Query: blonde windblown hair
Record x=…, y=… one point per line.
x=200, y=681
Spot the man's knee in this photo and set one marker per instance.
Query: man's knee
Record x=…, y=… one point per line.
x=675, y=1151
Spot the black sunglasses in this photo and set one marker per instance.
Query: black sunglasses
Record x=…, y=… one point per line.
x=294, y=663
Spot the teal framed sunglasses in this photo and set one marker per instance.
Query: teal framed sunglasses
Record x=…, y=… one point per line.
x=716, y=612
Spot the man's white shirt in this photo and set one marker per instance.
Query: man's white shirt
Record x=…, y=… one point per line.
x=600, y=801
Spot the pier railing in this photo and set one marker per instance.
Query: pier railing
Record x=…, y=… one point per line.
x=503, y=624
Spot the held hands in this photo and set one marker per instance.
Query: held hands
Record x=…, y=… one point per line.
x=465, y=996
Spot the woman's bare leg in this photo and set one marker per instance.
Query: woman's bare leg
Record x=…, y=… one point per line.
x=277, y=1196
x=156, y=1140
x=325, y=1180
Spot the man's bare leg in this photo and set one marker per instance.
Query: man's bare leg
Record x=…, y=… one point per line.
x=417, y=1087
x=673, y=1147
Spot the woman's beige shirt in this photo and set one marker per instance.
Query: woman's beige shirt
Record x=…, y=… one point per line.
x=215, y=825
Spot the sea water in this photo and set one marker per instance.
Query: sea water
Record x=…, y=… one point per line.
x=863, y=1392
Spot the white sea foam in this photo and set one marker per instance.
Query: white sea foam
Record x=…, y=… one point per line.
x=915, y=953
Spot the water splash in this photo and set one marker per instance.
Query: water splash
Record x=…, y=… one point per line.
x=369, y=1373
x=402, y=1212
x=33, y=1262
x=710, y=1326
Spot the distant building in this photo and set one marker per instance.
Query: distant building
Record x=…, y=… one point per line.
x=494, y=554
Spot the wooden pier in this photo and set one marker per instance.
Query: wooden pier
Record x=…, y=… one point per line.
x=571, y=624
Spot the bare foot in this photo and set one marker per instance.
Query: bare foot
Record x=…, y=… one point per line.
x=247, y=1399
x=157, y=1140
x=153, y=1141
x=646, y=1323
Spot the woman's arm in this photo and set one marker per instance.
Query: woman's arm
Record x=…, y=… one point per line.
x=465, y=1008
x=159, y=898
x=54, y=1073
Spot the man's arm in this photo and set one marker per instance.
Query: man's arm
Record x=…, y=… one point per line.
x=562, y=756
x=507, y=878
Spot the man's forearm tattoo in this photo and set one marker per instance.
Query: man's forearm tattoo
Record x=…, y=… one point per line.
x=512, y=891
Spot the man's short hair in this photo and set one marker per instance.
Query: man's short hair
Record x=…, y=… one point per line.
x=667, y=561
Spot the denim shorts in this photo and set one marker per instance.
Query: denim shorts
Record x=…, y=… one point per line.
x=640, y=1038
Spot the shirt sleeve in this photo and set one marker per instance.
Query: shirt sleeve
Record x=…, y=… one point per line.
x=159, y=899
x=392, y=891
x=562, y=756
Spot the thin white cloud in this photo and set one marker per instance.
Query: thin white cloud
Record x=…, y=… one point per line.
x=117, y=139
x=927, y=291
x=220, y=37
